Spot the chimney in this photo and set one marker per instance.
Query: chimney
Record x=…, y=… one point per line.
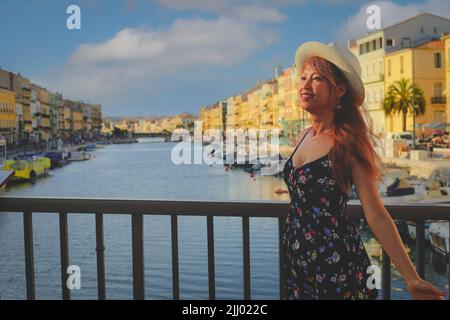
x=351, y=43
x=11, y=81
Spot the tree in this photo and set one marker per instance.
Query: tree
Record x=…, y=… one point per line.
x=399, y=99
x=117, y=132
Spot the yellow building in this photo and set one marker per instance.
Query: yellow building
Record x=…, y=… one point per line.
x=428, y=73
x=372, y=48
x=243, y=112
x=8, y=115
x=267, y=106
x=232, y=114
x=279, y=102
x=21, y=86
x=253, y=98
x=446, y=42
x=76, y=117
x=211, y=116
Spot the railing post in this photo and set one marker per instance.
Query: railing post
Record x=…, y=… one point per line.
x=137, y=229
x=100, y=250
x=175, y=263
x=211, y=261
x=64, y=252
x=281, y=257
x=246, y=249
x=448, y=262
x=420, y=248
x=29, y=256
x=386, y=276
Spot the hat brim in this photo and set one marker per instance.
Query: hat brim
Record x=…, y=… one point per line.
x=318, y=49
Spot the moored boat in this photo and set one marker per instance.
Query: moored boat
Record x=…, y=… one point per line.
x=57, y=158
x=439, y=237
x=28, y=169
x=79, y=156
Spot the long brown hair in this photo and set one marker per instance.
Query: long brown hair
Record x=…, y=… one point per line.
x=353, y=136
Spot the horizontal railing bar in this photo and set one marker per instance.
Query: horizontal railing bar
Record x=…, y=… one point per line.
x=202, y=208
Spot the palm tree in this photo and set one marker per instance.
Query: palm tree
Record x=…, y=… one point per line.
x=399, y=99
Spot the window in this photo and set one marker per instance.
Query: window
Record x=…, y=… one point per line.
x=437, y=60
x=435, y=30
x=361, y=49
x=422, y=30
x=438, y=88
x=438, y=116
x=374, y=44
x=389, y=42
x=401, y=64
x=367, y=46
x=406, y=136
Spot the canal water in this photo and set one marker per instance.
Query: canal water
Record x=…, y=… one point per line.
x=145, y=171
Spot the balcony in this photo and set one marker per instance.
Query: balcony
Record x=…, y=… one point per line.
x=438, y=100
x=136, y=209
x=374, y=78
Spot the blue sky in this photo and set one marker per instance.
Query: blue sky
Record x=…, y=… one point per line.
x=164, y=57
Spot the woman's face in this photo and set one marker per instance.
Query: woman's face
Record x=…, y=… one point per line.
x=315, y=91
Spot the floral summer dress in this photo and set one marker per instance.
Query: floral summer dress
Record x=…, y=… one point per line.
x=324, y=255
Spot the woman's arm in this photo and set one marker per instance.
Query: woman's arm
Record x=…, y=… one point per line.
x=384, y=229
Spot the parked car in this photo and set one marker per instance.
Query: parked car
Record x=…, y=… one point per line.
x=401, y=136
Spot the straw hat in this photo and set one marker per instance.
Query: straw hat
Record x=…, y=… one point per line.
x=338, y=55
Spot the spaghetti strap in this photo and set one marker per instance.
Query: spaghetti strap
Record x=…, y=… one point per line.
x=300, y=142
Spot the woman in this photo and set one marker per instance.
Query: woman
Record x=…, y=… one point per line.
x=324, y=255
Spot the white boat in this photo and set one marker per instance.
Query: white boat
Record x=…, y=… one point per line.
x=439, y=237
x=412, y=230
x=79, y=156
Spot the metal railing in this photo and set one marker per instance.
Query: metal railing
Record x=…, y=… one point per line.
x=438, y=100
x=138, y=208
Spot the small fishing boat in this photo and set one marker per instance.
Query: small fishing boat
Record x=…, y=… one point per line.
x=5, y=176
x=57, y=158
x=28, y=169
x=79, y=156
x=90, y=147
x=400, y=187
x=439, y=238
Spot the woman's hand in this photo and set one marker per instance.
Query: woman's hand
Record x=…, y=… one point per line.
x=423, y=290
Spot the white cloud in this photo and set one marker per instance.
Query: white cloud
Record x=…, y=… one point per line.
x=136, y=58
x=255, y=11
x=207, y=5
x=391, y=13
